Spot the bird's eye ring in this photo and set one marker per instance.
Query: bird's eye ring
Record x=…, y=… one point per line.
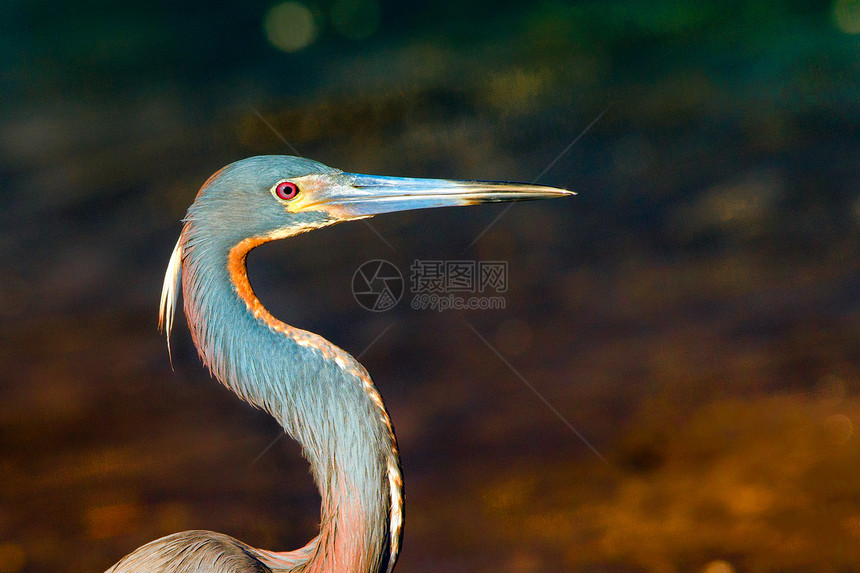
x=286, y=190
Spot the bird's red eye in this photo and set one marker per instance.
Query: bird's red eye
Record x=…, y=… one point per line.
x=286, y=190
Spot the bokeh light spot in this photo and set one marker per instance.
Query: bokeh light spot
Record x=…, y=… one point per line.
x=846, y=16
x=111, y=520
x=718, y=566
x=290, y=26
x=355, y=19
x=12, y=558
x=852, y=525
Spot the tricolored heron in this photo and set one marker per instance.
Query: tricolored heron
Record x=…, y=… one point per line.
x=321, y=395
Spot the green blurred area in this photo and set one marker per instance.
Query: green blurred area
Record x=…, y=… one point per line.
x=693, y=312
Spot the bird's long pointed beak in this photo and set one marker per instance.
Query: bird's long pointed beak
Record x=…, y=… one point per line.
x=366, y=195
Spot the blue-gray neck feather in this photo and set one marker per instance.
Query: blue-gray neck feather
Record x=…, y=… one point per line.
x=316, y=391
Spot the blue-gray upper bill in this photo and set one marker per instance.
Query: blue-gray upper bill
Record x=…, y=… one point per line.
x=362, y=195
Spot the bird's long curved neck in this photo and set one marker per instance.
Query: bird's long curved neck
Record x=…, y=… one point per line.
x=320, y=395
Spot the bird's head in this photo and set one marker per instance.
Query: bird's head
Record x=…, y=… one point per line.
x=276, y=196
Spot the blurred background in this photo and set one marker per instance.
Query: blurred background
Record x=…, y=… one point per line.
x=693, y=312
